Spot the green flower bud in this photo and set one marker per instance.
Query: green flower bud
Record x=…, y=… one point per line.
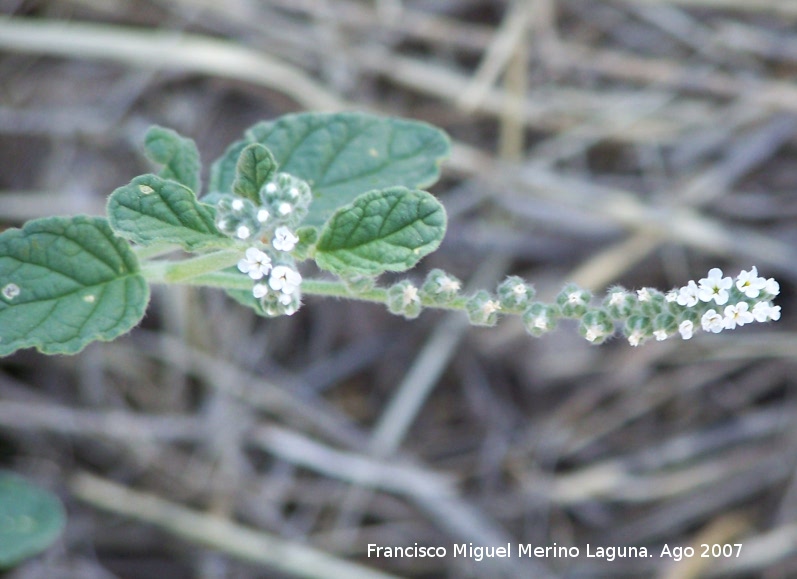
x=637, y=329
x=514, y=294
x=619, y=302
x=403, y=300
x=651, y=302
x=286, y=198
x=440, y=287
x=573, y=301
x=358, y=283
x=276, y=303
x=540, y=318
x=239, y=218
x=596, y=326
x=664, y=325
x=482, y=309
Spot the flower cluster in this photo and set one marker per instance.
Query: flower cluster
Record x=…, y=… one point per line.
x=745, y=299
x=714, y=303
x=269, y=228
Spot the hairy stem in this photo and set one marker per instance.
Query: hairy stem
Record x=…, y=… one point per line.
x=186, y=271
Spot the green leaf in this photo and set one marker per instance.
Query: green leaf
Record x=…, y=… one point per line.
x=342, y=155
x=30, y=519
x=308, y=236
x=152, y=209
x=387, y=230
x=178, y=155
x=256, y=167
x=65, y=282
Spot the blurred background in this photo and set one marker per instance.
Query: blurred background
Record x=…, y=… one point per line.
x=632, y=142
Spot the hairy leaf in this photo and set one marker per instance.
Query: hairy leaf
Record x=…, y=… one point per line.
x=152, y=209
x=256, y=167
x=386, y=230
x=65, y=282
x=178, y=155
x=342, y=155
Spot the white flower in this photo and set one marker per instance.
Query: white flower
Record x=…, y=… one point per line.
x=256, y=264
x=635, y=338
x=541, y=322
x=259, y=290
x=671, y=296
x=237, y=205
x=284, y=239
x=409, y=295
x=749, y=283
x=243, y=232
x=763, y=311
x=715, y=287
x=284, y=279
x=643, y=294
x=263, y=215
x=575, y=297
x=617, y=297
x=686, y=328
x=737, y=315
x=448, y=285
x=772, y=287
x=285, y=208
x=660, y=334
x=490, y=307
x=271, y=187
x=712, y=321
x=687, y=295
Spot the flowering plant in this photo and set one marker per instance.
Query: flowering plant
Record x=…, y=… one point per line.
x=341, y=190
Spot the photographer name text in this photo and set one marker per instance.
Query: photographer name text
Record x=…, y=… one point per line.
x=527, y=550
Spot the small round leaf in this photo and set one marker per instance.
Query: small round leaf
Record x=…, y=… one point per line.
x=30, y=519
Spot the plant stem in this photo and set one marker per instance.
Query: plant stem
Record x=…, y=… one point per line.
x=330, y=288
x=186, y=271
x=337, y=289
x=154, y=250
x=316, y=287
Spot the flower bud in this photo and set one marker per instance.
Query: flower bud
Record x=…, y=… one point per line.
x=573, y=301
x=637, y=329
x=514, y=294
x=651, y=302
x=540, y=318
x=403, y=299
x=440, y=287
x=357, y=283
x=482, y=309
x=276, y=303
x=664, y=325
x=596, y=326
x=286, y=198
x=237, y=217
x=619, y=302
